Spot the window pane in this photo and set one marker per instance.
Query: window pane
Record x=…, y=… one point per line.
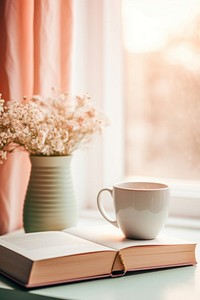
x=162, y=83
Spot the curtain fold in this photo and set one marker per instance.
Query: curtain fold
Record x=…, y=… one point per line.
x=52, y=46
x=35, y=55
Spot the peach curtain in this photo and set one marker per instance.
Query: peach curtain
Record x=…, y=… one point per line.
x=35, y=55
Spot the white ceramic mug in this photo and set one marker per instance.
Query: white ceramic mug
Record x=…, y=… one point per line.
x=141, y=208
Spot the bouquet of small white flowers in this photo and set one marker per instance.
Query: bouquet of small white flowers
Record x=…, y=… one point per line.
x=51, y=127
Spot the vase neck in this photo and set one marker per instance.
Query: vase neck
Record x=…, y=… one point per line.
x=50, y=161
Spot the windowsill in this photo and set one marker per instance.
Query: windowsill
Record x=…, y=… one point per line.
x=93, y=215
x=187, y=228
x=184, y=223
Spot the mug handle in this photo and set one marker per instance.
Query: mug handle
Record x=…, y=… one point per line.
x=101, y=208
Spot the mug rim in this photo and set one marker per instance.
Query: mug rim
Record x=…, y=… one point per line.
x=141, y=186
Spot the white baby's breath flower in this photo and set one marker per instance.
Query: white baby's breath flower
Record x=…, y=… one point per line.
x=55, y=126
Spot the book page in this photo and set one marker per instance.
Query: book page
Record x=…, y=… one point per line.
x=44, y=245
x=112, y=237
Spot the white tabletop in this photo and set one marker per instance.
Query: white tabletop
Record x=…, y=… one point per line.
x=166, y=284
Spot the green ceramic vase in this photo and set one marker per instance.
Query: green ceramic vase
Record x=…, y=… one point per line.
x=50, y=202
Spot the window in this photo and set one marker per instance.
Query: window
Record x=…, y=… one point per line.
x=148, y=84
x=162, y=56
x=162, y=86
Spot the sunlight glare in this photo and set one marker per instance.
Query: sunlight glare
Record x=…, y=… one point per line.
x=148, y=24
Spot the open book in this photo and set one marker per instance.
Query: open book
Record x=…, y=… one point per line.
x=45, y=258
